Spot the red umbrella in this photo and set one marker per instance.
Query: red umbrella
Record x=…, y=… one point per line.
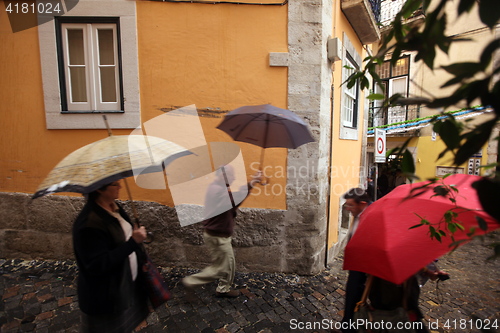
x=386, y=246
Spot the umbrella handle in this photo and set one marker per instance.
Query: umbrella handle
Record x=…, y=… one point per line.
x=266, y=180
x=150, y=238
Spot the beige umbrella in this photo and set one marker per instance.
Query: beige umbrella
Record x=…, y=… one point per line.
x=108, y=160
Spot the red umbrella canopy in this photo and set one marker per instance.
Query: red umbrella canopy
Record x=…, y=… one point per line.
x=386, y=246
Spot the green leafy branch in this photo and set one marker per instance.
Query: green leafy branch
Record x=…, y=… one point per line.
x=473, y=80
x=470, y=81
x=450, y=222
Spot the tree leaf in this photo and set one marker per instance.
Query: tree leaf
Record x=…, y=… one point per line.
x=465, y=6
x=425, y=5
x=376, y=96
x=471, y=232
x=455, y=98
x=441, y=191
x=407, y=163
x=410, y=7
x=475, y=141
x=429, y=58
x=449, y=216
x=464, y=69
x=365, y=83
x=488, y=52
x=453, y=81
x=477, y=89
x=482, y=223
x=489, y=16
x=488, y=192
x=437, y=126
x=449, y=133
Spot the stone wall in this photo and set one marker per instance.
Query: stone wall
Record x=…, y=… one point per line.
x=309, y=95
x=41, y=229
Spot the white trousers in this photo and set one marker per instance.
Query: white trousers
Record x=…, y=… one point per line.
x=222, y=267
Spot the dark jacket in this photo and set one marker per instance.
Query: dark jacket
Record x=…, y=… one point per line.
x=105, y=284
x=385, y=295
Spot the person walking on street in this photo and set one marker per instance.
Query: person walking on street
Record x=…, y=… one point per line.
x=218, y=230
x=106, y=245
x=356, y=202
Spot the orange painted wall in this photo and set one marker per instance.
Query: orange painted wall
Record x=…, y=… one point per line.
x=213, y=56
x=28, y=150
x=217, y=57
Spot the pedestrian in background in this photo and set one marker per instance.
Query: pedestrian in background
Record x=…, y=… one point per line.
x=218, y=231
x=399, y=178
x=357, y=199
x=383, y=183
x=106, y=244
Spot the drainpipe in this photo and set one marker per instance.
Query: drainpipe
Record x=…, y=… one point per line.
x=328, y=197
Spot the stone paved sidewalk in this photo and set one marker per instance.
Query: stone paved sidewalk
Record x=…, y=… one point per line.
x=40, y=296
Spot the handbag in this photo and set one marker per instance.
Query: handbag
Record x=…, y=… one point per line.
x=155, y=285
x=370, y=320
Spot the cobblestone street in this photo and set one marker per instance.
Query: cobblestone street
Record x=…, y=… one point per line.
x=40, y=296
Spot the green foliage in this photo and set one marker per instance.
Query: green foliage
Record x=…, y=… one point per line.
x=470, y=81
x=376, y=96
x=450, y=222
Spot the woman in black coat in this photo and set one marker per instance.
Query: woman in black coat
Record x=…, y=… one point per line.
x=106, y=245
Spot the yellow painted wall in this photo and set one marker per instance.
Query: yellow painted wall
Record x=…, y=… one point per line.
x=213, y=56
x=427, y=154
x=346, y=154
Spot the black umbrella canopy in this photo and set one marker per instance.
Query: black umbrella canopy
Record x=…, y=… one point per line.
x=266, y=126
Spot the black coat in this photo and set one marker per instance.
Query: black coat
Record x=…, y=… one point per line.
x=105, y=284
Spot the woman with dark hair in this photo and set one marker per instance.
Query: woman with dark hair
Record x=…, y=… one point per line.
x=106, y=245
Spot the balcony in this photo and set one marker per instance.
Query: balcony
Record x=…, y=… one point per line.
x=396, y=120
x=364, y=16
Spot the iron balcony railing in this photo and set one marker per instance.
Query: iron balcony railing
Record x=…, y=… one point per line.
x=376, y=6
x=392, y=115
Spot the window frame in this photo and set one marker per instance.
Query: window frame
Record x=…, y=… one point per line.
x=391, y=75
x=350, y=52
x=89, y=25
x=389, y=80
x=129, y=117
x=350, y=114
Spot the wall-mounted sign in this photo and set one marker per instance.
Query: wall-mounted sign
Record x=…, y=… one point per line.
x=380, y=146
x=444, y=170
